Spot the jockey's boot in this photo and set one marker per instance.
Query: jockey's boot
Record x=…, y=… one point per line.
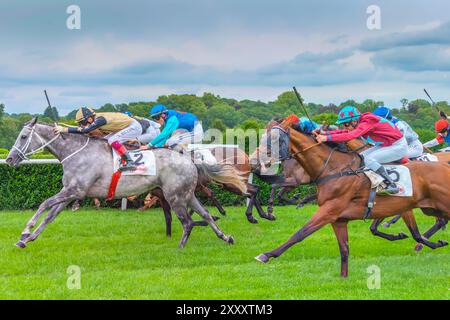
x=129, y=164
x=391, y=187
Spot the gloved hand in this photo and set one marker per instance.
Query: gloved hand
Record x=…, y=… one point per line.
x=60, y=129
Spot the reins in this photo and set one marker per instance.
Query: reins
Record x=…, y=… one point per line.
x=24, y=155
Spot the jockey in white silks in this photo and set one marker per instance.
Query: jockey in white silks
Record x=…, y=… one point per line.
x=415, y=147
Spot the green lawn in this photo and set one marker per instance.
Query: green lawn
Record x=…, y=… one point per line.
x=126, y=255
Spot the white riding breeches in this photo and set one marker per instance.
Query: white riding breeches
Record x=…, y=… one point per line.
x=196, y=136
x=132, y=132
x=378, y=155
x=415, y=149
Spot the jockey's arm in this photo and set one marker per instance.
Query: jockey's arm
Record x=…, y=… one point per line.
x=345, y=135
x=435, y=142
x=170, y=126
x=98, y=122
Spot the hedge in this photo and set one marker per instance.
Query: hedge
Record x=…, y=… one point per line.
x=27, y=186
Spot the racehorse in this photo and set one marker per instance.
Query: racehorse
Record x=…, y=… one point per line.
x=239, y=160
x=343, y=194
x=88, y=168
x=359, y=145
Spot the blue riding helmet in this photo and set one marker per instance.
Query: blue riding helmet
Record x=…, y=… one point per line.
x=307, y=126
x=158, y=110
x=348, y=114
x=383, y=112
x=128, y=113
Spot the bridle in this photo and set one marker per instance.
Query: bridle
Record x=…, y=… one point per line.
x=24, y=155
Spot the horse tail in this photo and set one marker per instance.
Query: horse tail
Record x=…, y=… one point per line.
x=224, y=174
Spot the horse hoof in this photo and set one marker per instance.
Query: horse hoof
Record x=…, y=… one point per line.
x=443, y=243
x=271, y=217
x=252, y=219
x=402, y=235
x=21, y=244
x=418, y=247
x=24, y=236
x=215, y=218
x=386, y=224
x=230, y=240
x=262, y=258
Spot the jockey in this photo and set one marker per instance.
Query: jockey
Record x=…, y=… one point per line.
x=307, y=126
x=179, y=127
x=390, y=145
x=415, y=147
x=119, y=128
x=441, y=127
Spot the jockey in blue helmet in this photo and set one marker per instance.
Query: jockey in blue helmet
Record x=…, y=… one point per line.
x=415, y=147
x=179, y=127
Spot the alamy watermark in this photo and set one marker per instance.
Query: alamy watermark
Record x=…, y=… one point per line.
x=74, y=279
x=73, y=21
x=374, y=279
x=374, y=19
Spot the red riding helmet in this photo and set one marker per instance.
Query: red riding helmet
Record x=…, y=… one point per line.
x=441, y=125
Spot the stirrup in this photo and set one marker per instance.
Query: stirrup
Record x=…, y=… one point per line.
x=128, y=167
x=391, y=189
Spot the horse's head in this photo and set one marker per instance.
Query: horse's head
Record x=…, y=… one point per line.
x=27, y=141
x=273, y=148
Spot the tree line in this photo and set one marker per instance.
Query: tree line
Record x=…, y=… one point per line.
x=225, y=113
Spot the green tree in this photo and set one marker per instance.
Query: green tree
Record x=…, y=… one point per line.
x=51, y=113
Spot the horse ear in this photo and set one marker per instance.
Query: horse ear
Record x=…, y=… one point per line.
x=33, y=121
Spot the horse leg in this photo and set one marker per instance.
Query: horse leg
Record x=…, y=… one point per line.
x=258, y=206
x=387, y=224
x=410, y=221
x=249, y=212
x=271, y=199
x=341, y=232
x=210, y=194
x=321, y=218
x=438, y=225
x=306, y=200
x=158, y=194
x=55, y=210
x=390, y=237
x=50, y=202
x=195, y=204
x=186, y=222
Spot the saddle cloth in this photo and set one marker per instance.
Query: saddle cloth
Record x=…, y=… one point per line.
x=145, y=161
x=399, y=174
x=427, y=157
x=202, y=153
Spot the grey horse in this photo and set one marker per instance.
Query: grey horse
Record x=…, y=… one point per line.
x=88, y=168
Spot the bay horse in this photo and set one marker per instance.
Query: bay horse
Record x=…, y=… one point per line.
x=343, y=194
x=358, y=145
x=88, y=167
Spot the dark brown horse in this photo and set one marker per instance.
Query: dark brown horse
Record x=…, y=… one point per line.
x=343, y=195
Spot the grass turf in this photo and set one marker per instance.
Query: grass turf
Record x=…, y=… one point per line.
x=126, y=255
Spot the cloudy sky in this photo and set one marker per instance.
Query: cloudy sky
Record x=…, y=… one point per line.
x=137, y=50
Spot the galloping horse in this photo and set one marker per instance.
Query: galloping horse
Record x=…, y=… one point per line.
x=88, y=168
x=236, y=158
x=343, y=194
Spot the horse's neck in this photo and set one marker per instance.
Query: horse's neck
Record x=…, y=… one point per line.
x=314, y=159
x=60, y=148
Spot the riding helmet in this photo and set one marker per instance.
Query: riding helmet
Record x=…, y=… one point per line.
x=441, y=125
x=158, y=110
x=383, y=112
x=348, y=114
x=83, y=114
